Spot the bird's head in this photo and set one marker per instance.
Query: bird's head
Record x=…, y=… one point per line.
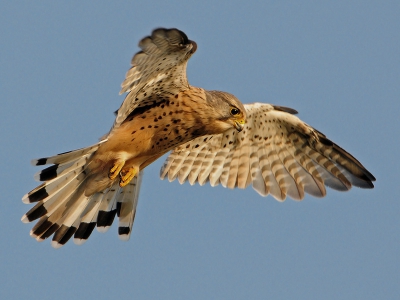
x=229, y=111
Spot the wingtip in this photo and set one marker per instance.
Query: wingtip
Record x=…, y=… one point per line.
x=368, y=185
x=370, y=177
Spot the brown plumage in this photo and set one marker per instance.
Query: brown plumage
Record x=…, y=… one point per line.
x=215, y=139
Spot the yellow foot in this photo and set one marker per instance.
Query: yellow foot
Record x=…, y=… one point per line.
x=117, y=167
x=127, y=176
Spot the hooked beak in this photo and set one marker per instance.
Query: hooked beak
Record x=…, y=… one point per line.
x=239, y=125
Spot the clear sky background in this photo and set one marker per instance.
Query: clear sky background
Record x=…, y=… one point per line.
x=336, y=62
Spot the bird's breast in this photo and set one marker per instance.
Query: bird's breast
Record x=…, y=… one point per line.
x=159, y=127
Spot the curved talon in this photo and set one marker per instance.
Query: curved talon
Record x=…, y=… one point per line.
x=116, y=169
x=127, y=176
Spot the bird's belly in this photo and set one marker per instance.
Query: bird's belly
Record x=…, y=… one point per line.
x=145, y=136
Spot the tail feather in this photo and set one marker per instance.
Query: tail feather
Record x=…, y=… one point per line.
x=128, y=198
x=83, y=233
x=53, y=186
x=58, y=170
x=62, y=235
x=107, y=209
x=71, y=217
x=48, y=205
x=43, y=229
x=66, y=156
x=57, y=211
x=63, y=208
x=89, y=218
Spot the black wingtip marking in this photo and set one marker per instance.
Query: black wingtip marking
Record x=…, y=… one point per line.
x=38, y=195
x=286, y=109
x=325, y=141
x=106, y=218
x=360, y=172
x=124, y=230
x=370, y=185
x=183, y=35
x=168, y=31
x=84, y=230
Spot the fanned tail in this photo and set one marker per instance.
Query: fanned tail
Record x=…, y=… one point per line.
x=63, y=208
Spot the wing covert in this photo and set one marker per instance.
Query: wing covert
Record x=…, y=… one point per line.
x=158, y=69
x=276, y=152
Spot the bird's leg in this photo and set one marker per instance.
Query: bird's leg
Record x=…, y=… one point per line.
x=117, y=167
x=127, y=175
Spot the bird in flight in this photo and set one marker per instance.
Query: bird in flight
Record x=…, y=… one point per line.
x=213, y=137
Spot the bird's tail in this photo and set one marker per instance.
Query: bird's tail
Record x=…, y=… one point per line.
x=64, y=210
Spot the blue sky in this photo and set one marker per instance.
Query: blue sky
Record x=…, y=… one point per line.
x=336, y=62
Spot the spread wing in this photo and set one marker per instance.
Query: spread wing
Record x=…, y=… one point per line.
x=276, y=152
x=159, y=68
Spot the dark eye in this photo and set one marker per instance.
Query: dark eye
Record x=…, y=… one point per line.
x=235, y=111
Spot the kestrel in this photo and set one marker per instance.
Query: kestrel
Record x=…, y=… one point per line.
x=213, y=137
